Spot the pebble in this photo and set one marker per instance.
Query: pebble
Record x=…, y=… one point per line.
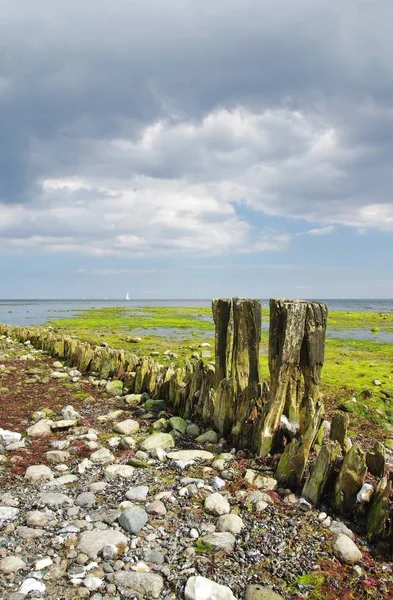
x=217, y=505
x=133, y=519
x=201, y=588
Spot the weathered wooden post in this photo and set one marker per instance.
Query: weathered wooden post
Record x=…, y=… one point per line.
x=313, y=348
x=287, y=323
x=247, y=322
x=222, y=315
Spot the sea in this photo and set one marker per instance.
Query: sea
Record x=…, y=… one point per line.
x=40, y=311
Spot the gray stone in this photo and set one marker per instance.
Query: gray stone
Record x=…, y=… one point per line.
x=193, y=430
x=259, y=592
x=92, y=542
x=144, y=585
x=346, y=550
x=156, y=508
x=217, y=505
x=87, y=499
x=38, y=474
x=8, y=513
x=40, y=428
x=157, y=440
x=189, y=455
x=102, y=456
x=209, y=437
x=126, y=427
x=201, y=588
x=63, y=425
x=220, y=541
x=232, y=523
x=137, y=494
x=133, y=519
x=53, y=499
x=32, y=585
x=57, y=456
x=11, y=564
x=118, y=470
x=36, y=518
x=338, y=527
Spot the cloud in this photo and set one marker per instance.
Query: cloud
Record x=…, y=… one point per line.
x=132, y=132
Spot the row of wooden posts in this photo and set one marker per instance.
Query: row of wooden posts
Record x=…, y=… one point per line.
x=230, y=395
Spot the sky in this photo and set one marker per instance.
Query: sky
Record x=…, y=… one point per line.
x=196, y=148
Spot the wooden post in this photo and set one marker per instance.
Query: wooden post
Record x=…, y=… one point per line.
x=287, y=324
x=247, y=322
x=222, y=314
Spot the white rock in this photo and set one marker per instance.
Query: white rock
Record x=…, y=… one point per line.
x=40, y=428
x=346, y=550
x=365, y=493
x=43, y=563
x=189, y=455
x=8, y=513
x=126, y=427
x=38, y=473
x=102, y=456
x=92, y=583
x=10, y=437
x=217, y=505
x=231, y=523
x=32, y=585
x=201, y=588
x=113, y=471
x=158, y=440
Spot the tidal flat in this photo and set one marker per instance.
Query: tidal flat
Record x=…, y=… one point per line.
x=357, y=374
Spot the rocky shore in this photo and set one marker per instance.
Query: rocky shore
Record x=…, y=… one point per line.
x=105, y=494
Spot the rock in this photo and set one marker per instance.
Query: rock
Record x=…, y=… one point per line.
x=346, y=550
x=38, y=474
x=40, y=428
x=11, y=564
x=201, y=588
x=193, y=430
x=9, y=437
x=220, y=541
x=365, y=493
x=87, y=499
x=128, y=443
x=63, y=480
x=189, y=455
x=137, y=494
x=102, y=456
x=57, y=456
x=114, y=388
x=36, y=518
x=231, y=523
x=126, y=427
x=59, y=375
x=265, y=483
x=156, y=508
x=69, y=413
x=54, y=499
x=154, y=406
x=143, y=585
x=376, y=460
x=336, y=527
x=63, y=425
x=92, y=542
x=118, y=470
x=157, y=440
x=258, y=592
x=133, y=399
x=133, y=519
x=178, y=424
x=110, y=416
x=218, y=483
x=217, y=505
x=32, y=585
x=93, y=583
x=209, y=437
x=8, y=513
x=43, y=563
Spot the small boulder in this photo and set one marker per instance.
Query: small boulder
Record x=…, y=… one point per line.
x=201, y=588
x=346, y=550
x=217, y=505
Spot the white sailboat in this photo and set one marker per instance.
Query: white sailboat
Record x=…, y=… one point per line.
x=127, y=296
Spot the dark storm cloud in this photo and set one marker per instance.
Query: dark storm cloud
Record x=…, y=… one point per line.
x=82, y=85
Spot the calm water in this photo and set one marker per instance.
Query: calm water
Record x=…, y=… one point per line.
x=36, y=312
